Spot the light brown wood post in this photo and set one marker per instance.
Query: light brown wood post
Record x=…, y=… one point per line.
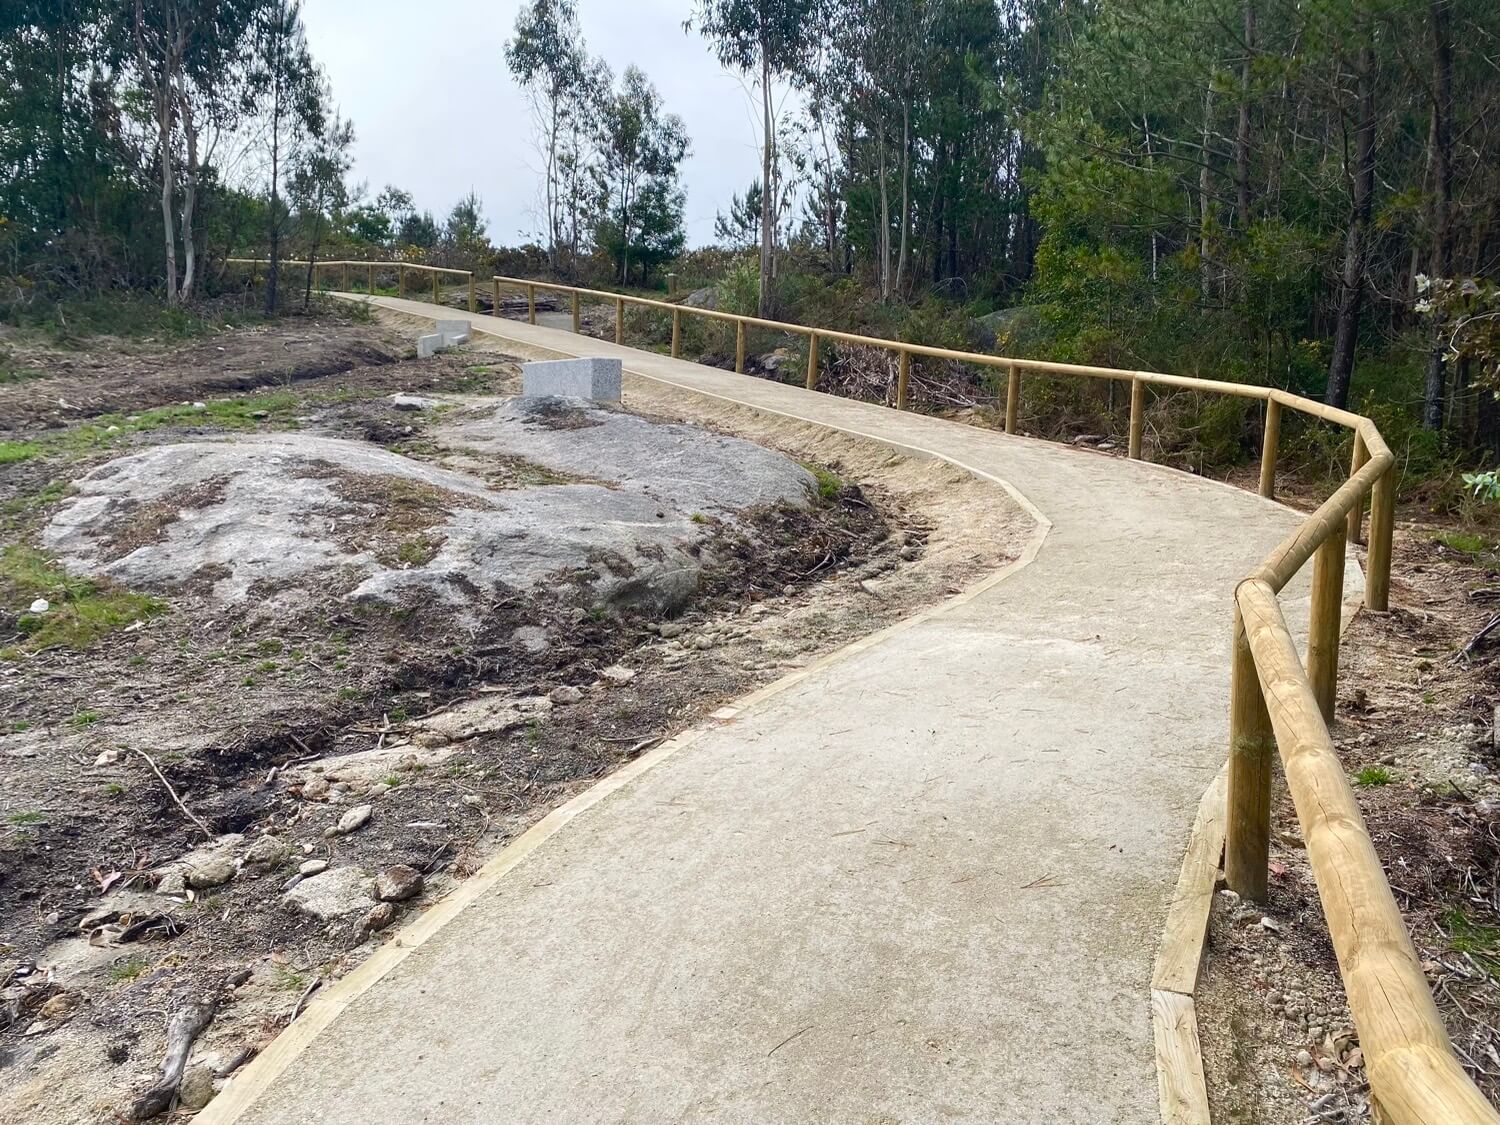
x=903, y=377
x=619, y=320
x=1012, y=398
x=370, y=281
x=346, y=277
x=739, y=347
x=577, y=322
x=530, y=304
x=676, y=333
x=1382, y=528
x=1323, y=625
x=1247, y=841
x=473, y=304
x=812, y=361
x=434, y=286
x=1137, y=417
x=1270, y=442
x=1357, y=513
x=495, y=299
x=671, y=285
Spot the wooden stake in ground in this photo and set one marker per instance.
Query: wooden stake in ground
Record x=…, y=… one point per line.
x=187, y=812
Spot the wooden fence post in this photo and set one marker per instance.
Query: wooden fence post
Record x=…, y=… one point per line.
x=676, y=333
x=1137, y=417
x=1247, y=841
x=434, y=286
x=812, y=361
x=401, y=281
x=1268, y=448
x=1012, y=398
x=903, y=377
x=619, y=320
x=370, y=281
x=495, y=299
x=739, y=347
x=473, y=304
x=530, y=303
x=1356, y=529
x=346, y=277
x=1382, y=528
x=1323, y=624
x=576, y=321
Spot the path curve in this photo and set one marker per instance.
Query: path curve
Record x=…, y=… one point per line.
x=925, y=882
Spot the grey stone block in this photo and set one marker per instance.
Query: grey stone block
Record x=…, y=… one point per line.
x=453, y=332
x=593, y=378
x=428, y=346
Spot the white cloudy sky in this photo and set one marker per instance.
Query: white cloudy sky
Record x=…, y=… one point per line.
x=437, y=113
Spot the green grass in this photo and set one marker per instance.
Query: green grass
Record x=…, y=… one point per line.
x=1476, y=939
x=71, y=322
x=830, y=484
x=82, y=612
x=1464, y=542
x=127, y=969
x=13, y=452
x=84, y=719
x=20, y=818
x=1373, y=775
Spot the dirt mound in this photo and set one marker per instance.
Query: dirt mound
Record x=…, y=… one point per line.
x=297, y=516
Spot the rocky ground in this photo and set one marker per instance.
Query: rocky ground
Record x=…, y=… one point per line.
x=277, y=669
x=1417, y=733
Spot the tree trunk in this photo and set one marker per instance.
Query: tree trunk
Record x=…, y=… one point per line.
x=1352, y=283
x=164, y=136
x=1242, y=133
x=885, y=224
x=1204, y=208
x=905, y=194
x=189, y=195
x=1442, y=203
x=768, y=189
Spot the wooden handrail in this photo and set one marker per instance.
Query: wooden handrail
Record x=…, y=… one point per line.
x=1276, y=704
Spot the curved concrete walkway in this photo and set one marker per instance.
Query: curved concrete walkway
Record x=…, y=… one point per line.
x=926, y=882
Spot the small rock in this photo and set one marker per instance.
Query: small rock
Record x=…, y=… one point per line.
x=200, y=406
x=473, y=800
x=411, y=402
x=618, y=674
x=533, y=638
x=339, y=893
x=212, y=872
x=196, y=1089
x=378, y=917
x=315, y=788
x=108, y=758
x=1304, y=1058
x=59, y=1007
x=378, y=790
x=312, y=867
x=355, y=819
x=173, y=884
x=269, y=850
x=1270, y=924
x=669, y=629
x=1479, y=769
x=565, y=695
x=41, y=605
x=397, y=884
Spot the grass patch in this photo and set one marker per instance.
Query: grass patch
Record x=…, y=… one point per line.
x=1464, y=542
x=14, y=452
x=21, y=818
x=1479, y=941
x=71, y=322
x=1372, y=776
x=84, y=719
x=82, y=612
x=127, y=969
x=829, y=483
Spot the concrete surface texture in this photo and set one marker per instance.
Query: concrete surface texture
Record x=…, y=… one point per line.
x=924, y=883
x=594, y=378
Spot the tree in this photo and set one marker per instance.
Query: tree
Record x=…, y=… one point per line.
x=316, y=185
x=642, y=148
x=290, y=96
x=547, y=57
x=465, y=230
x=740, y=228
x=770, y=40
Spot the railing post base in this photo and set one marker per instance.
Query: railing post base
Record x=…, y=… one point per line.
x=1268, y=449
x=1137, y=417
x=812, y=361
x=1382, y=530
x=1323, y=624
x=903, y=377
x=1012, y=398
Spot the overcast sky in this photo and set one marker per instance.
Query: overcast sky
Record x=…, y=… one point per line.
x=436, y=112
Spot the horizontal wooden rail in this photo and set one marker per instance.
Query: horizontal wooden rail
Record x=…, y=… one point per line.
x=1276, y=704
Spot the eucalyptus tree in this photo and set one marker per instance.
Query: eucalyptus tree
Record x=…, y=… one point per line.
x=770, y=41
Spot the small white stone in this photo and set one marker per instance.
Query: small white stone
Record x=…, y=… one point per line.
x=41, y=605
x=312, y=867
x=618, y=674
x=200, y=406
x=107, y=758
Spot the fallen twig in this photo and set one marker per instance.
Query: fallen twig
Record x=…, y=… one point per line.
x=302, y=1000
x=187, y=812
x=1478, y=639
x=186, y=1024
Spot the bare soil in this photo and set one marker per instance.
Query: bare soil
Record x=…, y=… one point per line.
x=271, y=723
x=1416, y=731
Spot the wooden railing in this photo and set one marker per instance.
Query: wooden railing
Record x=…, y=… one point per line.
x=1279, y=701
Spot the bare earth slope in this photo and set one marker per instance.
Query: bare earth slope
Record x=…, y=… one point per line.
x=924, y=882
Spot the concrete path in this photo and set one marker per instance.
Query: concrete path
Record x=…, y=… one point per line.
x=925, y=883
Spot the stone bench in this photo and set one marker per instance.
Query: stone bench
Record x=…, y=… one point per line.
x=594, y=378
